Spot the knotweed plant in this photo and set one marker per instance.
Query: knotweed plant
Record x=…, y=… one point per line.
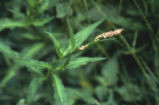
x=42, y=60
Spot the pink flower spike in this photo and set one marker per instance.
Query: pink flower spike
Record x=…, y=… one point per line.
x=82, y=47
x=108, y=34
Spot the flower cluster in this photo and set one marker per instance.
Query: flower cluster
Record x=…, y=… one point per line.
x=103, y=35
x=82, y=47
x=108, y=34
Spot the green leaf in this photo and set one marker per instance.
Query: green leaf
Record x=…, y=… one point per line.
x=44, y=6
x=77, y=62
x=59, y=91
x=129, y=92
x=101, y=92
x=34, y=65
x=84, y=94
x=32, y=3
x=63, y=9
x=71, y=33
x=110, y=100
x=13, y=69
x=41, y=22
x=33, y=88
x=62, y=63
x=30, y=51
x=9, y=23
x=111, y=15
x=82, y=35
x=110, y=71
x=56, y=44
x=126, y=22
x=21, y=102
x=16, y=13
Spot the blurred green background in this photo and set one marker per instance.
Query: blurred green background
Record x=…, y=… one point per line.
x=41, y=65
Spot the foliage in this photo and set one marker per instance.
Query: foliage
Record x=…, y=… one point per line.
x=42, y=65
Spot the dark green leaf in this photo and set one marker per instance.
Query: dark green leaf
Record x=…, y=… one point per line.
x=35, y=84
x=83, y=94
x=129, y=92
x=110, y=71
x=63, y=10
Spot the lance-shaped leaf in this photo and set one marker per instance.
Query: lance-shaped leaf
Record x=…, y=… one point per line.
x=32, y=64
x=77, y=62
x=41, y=22
x=10, y=23
x=28, y=52
x=35, y=84
x=56, y=44
x=110, y=71
x=31, y=3
x=71, y=33
x=82, y=35
x=59, y=91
